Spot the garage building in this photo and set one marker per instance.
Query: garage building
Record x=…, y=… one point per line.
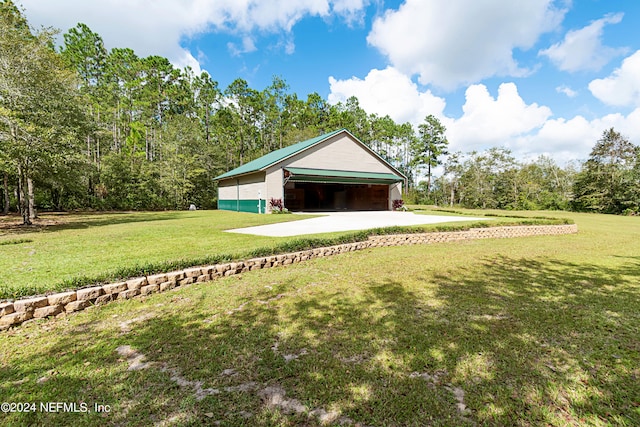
x=334, y=171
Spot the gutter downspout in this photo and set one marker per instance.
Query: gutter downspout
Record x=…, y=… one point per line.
x=260, y=202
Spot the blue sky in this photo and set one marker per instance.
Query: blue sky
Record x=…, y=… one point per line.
x=534, y=76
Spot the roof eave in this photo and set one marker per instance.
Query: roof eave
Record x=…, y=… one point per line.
x=237, y=175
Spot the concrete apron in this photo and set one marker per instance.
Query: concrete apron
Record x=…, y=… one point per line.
x=347, y=221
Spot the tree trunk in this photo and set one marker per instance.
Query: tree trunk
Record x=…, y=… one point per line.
x=453, y=188
x=207, y=137
x=116, y=128
x=98, y=153
x=56, y=199
x=89, y=137
x=280, y=129
x=22, y=199
x=240, y=151
x=6, y=194
x=97, y=138
x=32, y=199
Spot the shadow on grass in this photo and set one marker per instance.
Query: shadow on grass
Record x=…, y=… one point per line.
x=51, y=222
x=514, y=342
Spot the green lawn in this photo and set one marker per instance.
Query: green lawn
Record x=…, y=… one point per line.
x=69, y=246
x=523, y=332
x=70, y=250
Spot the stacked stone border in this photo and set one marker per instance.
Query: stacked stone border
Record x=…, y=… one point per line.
x=19, y=311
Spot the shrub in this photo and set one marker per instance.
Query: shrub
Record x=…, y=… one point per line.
x=280, y=211
x=277, y=206
x=397, y=204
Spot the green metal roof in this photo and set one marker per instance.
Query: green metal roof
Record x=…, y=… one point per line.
x=325, y=175
x=275, y=156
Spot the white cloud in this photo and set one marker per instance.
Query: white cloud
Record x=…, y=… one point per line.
x=572, y=139
x=561, y=139
x=529, y=130
x=628, y=126
x=388, y=92
x=157, y=27
x=505, y=120
x=622, y=87
x=583, y=49
x=452, y=43
x=186, y=59
x=353, y=11
x=567, y=134
x=567, y=91
x=488, y=121
x=247, y=46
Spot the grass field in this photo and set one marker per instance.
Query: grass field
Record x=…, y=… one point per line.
x=66, y=251
x=65, y=246
x=523, y=332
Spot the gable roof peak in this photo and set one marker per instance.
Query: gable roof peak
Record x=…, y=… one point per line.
x=276, y=156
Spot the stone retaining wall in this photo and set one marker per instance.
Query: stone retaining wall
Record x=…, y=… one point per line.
x=14, y=313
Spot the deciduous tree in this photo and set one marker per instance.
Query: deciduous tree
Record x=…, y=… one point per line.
x=39, y=112
x=608, y=181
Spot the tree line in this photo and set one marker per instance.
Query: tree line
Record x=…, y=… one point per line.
x=607, y=182
x=83, y=127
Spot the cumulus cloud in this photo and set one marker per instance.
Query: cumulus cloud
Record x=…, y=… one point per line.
x=530, y=130
x=561, y=139
x=453, y=43
x=505, y=120
x=583, y=49
x=489, y=121
x=572, y=139
x=353, y=11
x=567, y=91
x=158, y=27
x=388, y=92
x=622, y=87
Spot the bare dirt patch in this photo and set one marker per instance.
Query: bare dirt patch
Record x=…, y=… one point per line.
x=13, y=225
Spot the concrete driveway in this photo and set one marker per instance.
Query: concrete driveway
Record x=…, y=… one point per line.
x=346, y=221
